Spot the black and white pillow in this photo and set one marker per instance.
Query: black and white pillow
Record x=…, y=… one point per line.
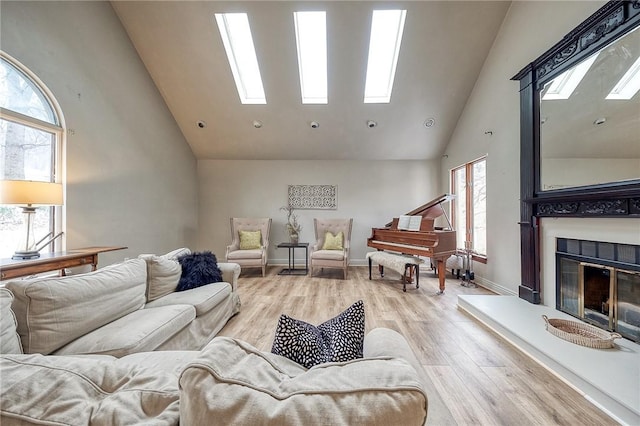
x=338, y=339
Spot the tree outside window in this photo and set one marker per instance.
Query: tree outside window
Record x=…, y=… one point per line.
x=469, y=209
x=30, y=139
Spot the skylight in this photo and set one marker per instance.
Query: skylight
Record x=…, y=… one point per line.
x=311, y=40
x=628, y=85
x=563, y=86
x=238, y=43
x=384, y=47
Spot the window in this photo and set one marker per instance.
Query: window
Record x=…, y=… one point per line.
x=384, y=47
x=469, y=208
x=311, y=41
x=30, y=149
x=241, y=53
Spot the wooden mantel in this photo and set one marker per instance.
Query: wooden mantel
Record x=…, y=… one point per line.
x=10, y=268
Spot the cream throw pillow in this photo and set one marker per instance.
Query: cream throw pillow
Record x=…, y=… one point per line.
x=333, y=242
x=250, y=240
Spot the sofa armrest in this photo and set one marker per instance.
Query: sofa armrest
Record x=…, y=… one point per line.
x=384, y=342
x=230, y=273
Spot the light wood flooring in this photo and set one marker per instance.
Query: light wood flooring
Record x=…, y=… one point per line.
x=472, y=376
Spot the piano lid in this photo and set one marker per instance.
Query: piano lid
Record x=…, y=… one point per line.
x=432, y=210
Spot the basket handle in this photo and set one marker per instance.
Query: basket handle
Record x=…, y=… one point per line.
x=616, y=336
x=546, y=319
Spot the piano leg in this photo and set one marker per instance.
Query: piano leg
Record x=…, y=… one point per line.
x=442, y=272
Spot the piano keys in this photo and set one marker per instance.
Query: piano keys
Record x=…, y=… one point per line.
x=428, y=241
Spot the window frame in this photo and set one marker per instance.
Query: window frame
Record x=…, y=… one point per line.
x=468, y=193
x=57, y=219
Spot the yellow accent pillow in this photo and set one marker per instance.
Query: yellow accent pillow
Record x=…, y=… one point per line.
x=250, y=240
x=332, y=242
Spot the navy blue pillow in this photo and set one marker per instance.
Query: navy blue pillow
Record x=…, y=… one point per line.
x=198, y=269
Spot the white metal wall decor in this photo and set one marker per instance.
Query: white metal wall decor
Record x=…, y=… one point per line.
x=320, y=197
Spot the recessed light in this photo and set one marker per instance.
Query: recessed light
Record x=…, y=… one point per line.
x=599, y=121
x=257, y=124
x=371, y=124
x=429, y=122
x=314, y=124
x=201, y=124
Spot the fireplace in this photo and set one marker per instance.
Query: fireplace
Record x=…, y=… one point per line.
x=599, y=283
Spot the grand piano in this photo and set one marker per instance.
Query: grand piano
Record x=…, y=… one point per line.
x=424, y=239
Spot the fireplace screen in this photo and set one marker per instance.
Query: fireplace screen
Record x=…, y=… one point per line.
x=599, y=290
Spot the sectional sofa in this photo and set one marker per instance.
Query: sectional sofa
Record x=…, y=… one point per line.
x=67, y=359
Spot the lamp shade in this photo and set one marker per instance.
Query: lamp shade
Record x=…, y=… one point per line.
x=28, y=192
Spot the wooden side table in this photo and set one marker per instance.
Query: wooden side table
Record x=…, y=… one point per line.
x=292, y=270
x=10, y=268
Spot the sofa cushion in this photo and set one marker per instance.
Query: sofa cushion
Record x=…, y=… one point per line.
x=162, y=275
x=246, y=386
x=9, y=338
x=139, y=331
x=163, y=272
x=338, y=339
x=52, y=312
x=198, y=269
x=172, y=362
x=56, y=390
x=203, y=299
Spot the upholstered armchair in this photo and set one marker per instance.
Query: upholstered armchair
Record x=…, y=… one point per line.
x=249, y=242
x=331, y=249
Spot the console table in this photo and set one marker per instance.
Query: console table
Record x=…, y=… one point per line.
x=10, y=268
x=292, y=270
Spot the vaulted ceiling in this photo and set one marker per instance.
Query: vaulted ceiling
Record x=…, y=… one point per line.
x=443, y=49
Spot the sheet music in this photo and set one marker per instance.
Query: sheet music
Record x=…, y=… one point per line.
x=409, y=223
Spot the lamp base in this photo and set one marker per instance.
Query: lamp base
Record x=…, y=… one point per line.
x=25, y=255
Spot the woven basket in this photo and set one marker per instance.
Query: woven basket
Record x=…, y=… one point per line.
x=580, y=333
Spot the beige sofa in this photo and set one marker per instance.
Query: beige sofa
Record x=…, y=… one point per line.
x=122, y=309
x=228, y=382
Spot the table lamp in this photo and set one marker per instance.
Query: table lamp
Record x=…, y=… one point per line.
x=28, y=194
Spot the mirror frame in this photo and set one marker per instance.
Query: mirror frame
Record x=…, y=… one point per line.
x=617, y=199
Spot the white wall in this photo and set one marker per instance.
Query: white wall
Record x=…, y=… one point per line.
x=131, y=177
x=529, y=29
x=371, y=192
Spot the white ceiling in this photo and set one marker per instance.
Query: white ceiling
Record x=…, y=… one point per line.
x=443, y=49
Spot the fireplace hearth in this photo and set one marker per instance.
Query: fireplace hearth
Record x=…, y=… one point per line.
x=599, y=283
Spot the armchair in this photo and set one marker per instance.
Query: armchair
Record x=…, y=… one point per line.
x=329, y=251
x=249, y=242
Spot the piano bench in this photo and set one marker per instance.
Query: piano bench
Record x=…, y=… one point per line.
x=403, y=264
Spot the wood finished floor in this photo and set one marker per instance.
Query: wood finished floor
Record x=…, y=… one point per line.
x=472, y=376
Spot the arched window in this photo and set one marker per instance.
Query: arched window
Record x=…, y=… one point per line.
x=31, y=133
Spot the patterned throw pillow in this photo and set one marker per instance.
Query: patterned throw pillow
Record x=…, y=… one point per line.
x=198, y=269
x=250, y=240
x=332, y=242
x=336, y=340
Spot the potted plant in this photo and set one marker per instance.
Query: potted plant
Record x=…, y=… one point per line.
x=293, y=227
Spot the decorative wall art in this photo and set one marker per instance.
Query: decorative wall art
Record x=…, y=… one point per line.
x=316, y=197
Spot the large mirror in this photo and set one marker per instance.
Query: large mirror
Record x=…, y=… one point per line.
x=590, y=119
x=579, y=152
